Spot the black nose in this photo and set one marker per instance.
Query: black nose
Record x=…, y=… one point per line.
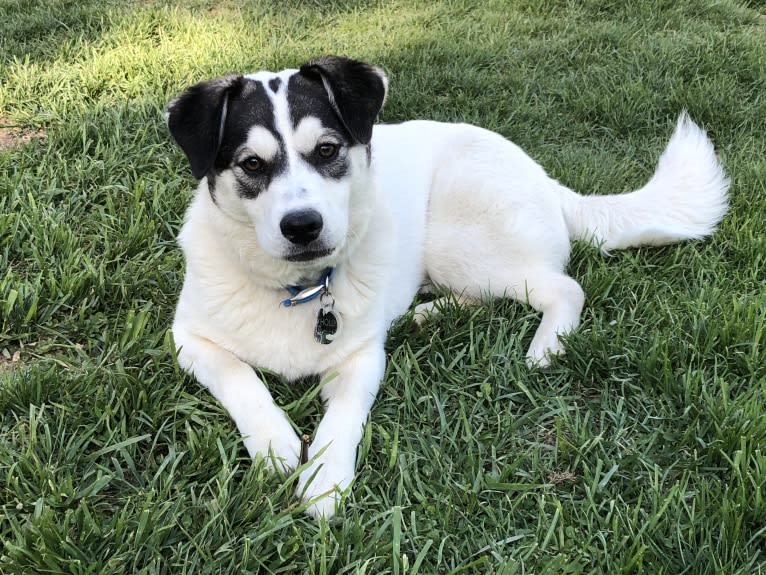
x=301, y=227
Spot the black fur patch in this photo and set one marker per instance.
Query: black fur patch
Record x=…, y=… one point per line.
x=308, y=98
x=251, y=107
x=195, y=117
x=274, y=84
x=211, y=121
x=355, y=91
x=335, y=168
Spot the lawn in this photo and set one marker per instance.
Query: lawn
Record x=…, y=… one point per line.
x=643, y=450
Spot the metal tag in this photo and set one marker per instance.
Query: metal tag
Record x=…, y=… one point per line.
x=327, y=326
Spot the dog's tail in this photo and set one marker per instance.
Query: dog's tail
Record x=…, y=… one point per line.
x=685, y=199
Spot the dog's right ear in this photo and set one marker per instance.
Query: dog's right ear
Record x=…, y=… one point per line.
x=196, y=119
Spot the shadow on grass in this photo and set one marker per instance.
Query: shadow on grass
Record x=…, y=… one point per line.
x=37, y=29
x=42, y=30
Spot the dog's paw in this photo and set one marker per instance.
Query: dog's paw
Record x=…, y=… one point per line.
x=323, y=505
x=543, y=350
x=537, y=362
x=422, y=312
x=539, y=359
x=273, y=438
x=324, y=481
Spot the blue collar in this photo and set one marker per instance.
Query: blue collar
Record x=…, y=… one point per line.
x=301, y=294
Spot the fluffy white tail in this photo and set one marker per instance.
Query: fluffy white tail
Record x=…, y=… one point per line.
x=685, y=199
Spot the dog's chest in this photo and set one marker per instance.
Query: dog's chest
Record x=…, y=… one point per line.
x=253, y=324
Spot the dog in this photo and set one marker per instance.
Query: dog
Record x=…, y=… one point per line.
x=312, y=229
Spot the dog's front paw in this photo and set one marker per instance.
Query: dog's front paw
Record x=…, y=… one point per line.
x=323, y=482
x=273, y=438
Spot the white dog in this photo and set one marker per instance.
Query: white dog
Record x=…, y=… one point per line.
x=312, y=230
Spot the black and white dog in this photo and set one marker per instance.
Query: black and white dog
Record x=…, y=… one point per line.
x=312, y=230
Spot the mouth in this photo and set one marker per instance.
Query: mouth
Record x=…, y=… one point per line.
x=309, y=255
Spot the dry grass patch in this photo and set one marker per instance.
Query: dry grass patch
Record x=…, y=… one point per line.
x=13, y=135
x=9, y=359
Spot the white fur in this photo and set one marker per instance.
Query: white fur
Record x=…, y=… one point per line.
x=260, y=142
x=450, y=203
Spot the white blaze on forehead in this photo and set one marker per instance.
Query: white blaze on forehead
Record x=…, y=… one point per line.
x=279, y=98
x=307, y=133
x=301, y=139
x=262, y=143
x=265, y=76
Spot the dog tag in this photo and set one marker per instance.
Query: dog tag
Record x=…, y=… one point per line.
x=327, y=326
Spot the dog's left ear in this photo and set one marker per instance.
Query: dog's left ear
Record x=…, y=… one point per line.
x=356, y=91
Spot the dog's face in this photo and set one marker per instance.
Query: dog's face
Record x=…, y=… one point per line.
x=286, y=153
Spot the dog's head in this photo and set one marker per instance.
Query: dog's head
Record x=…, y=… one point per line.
x=287, y=153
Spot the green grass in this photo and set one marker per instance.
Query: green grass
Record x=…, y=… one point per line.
x=641, y=451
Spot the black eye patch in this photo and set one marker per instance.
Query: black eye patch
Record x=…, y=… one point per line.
x=254, y=175
x=333, y=165
x=251, y=107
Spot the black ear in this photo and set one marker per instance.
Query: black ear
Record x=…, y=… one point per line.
x=196, y=119
x=356, y=91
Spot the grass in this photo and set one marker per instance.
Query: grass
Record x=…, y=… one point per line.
x=641, y=451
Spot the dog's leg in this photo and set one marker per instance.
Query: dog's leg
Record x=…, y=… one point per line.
x=430, y=308
x=518, y=254
x=560, y=299
x=265, y=429
x=553, y=293
x=348, y=393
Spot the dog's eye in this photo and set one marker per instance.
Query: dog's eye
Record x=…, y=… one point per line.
x=253, y=164
x=327, y=151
